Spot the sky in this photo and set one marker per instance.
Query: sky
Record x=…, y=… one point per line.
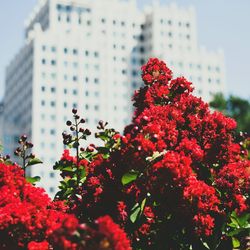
x=221, y=24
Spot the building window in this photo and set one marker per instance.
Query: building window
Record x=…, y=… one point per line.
x=52, y=104
x=43, y=103
x=53, y=62
x=52, y=132
x=51, y=174
x=75, y=51
x=43, y=61
x=43, y=88
x=74, y=92
x=53, y=89
x=142, y=50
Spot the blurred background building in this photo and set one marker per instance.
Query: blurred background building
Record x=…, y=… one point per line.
x=87, y=54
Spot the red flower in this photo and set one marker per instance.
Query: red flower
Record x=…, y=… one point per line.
x=114, y=233
x=44, y=245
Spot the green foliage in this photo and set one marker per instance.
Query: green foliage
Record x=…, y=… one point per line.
x=238, y=228
x=129, y=177
x=33, y=180
x=34, y=161
x=235, y=107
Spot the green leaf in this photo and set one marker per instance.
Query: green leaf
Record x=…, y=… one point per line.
x=143, y=205
x=33, y=180
x=83, y=172
x=205, y=245
x=235, y=232
x=129, y=177
x=135, y=213
x=68, y=169
x=235, y=242
x=34, y=162
x=243, y=220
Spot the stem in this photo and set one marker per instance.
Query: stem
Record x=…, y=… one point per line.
x=24, y=168
x=77, y=154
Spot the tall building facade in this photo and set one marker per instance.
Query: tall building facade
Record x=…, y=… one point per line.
x=171, y=34
x=87, y=54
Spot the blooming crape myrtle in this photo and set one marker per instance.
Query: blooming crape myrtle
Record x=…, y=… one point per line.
x=29, y=219
x=176, y=179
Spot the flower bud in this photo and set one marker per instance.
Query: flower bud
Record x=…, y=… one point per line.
x=68, y=123
x=74, y=110
x=87, y=132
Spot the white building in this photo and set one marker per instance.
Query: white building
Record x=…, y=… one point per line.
x=171, y=34
x=87, y=54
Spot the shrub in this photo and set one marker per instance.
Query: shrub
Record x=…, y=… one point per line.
x=176, y=179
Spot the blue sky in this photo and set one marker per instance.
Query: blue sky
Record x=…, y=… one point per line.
x=221, y=24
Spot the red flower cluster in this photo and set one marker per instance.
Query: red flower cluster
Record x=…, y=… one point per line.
x=30, y=220
x=114, y=234
x=155, y=71
x=182, y=162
